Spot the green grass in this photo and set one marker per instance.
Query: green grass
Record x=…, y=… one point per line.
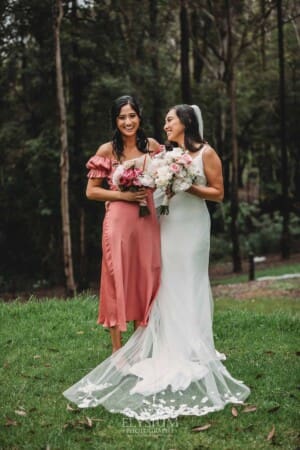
x=47, y=346
x=264, y=305
x=259, y=272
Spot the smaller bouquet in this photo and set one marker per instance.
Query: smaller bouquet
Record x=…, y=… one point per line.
x=127, y=177
x=173, y=172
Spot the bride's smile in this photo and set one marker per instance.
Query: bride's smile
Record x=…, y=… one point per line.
x=174, y=128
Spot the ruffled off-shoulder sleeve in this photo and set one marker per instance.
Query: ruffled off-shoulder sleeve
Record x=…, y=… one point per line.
x=161, y=148
x=99, y=167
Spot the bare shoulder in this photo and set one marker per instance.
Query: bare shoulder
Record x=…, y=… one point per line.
x=153, y=145
x=105, y=150
x=209, y=153
x=211, y=160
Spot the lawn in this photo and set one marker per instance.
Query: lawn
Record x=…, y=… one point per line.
x=260, y=271
x=48, y=345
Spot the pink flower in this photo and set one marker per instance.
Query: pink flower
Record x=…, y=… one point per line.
x=136, y=182
x=131, y=179
x=174, y=168
x=185, y=159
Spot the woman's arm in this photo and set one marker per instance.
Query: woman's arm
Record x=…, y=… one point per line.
x=154, y=146
x=95, y=191
x=212, y=166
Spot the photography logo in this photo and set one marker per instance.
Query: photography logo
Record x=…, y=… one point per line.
x=148, y=427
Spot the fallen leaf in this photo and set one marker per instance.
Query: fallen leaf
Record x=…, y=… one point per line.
x=36, y=356
x=20, y=412
x=89, y=422
x=80, y=332
x=234, y=412
x=47, y=365
x=70, y=408
x=250, y=408
x=10, y=422
x=202, y=428
x=269, y=352
x=271, y=434
x=275, y=408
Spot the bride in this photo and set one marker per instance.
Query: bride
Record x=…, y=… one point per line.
x=171, y=367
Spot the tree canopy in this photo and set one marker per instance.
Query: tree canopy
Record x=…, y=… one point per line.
x=164, y=53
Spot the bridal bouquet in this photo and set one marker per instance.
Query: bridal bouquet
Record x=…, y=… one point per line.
x=173, y=172
x=127, y=177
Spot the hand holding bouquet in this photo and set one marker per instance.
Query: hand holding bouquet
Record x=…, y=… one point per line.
x=173, y=172
x=128, y=177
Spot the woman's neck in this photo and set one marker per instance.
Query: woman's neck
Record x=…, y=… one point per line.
x=180, y=143
x=129, y=144
x=130, y=149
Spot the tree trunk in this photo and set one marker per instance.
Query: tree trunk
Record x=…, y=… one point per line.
x=221, y=131
x=285, y=237
x=158, y=99
x=197, y=60
x=64, y=157
x=234, y=201
x=77, y=160
x=263, y=35
x=184, y=55
x=234, y=204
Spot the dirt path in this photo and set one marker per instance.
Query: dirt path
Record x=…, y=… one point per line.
x=277, y=288
x=221, y=270
x=257, y=289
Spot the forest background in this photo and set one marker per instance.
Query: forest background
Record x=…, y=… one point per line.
x=238, y=60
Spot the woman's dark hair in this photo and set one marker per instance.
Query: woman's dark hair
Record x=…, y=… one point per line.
x=187, y=117
x=117, y=141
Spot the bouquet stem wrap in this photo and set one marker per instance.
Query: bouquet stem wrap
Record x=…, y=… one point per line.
x=164, y=207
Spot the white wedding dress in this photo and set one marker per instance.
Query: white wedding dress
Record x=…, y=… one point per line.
x=170, y=367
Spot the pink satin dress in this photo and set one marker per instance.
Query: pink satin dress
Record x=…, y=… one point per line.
x=130, y=272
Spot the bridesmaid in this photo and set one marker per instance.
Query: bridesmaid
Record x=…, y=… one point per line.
x=130, y=272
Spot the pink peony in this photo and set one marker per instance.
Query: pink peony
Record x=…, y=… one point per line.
x=185, y=159
x=175, y=168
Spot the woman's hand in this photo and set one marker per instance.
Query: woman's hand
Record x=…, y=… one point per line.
x=136, y=196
